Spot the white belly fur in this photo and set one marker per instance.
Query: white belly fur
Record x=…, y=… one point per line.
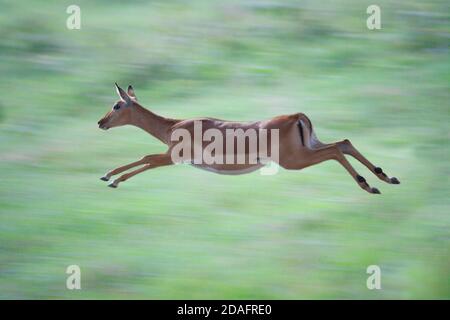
x=229, y=172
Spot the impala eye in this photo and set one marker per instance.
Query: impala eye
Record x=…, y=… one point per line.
x=116, y=107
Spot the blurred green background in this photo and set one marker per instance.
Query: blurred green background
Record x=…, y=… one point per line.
x=182, y=233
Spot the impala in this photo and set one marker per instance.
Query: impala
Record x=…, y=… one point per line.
x=297, y=147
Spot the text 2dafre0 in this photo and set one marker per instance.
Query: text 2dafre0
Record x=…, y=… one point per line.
x=231, y=309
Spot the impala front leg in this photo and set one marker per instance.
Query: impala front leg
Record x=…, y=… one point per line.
x=118, y=170
x=121, y=169
x=152, y=161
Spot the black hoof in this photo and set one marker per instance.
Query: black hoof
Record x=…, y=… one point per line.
x=394, y=180
x=104, y=178
x=112, y=185
x=378, y=170
x=375, y=190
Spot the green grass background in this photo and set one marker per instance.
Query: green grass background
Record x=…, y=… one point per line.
x=182, y=233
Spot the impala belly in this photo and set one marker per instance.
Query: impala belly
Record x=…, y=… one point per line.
x=229, y=169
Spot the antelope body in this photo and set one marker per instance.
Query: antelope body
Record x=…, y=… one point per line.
x=298, y=144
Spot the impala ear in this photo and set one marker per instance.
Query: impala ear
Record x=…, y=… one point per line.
x=122, y=94
x=131, y=93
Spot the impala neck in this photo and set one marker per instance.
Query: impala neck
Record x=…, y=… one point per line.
x=152, y=123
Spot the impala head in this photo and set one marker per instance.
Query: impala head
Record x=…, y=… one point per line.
x=121, y=111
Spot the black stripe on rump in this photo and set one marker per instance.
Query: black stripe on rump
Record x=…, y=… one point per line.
x=300, y=127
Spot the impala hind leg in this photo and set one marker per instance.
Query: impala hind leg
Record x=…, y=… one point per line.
x=347, y=148
x=330, y=152
x=150, y=162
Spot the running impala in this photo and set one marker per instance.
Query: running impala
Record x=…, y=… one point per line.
x=297, y=145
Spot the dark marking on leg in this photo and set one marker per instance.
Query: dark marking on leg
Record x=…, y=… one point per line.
x=360, y=179
x=379, y=171
x=300, y=127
